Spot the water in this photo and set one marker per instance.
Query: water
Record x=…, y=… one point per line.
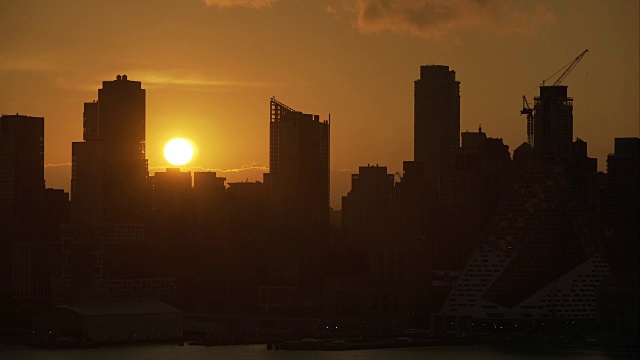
x=259, y=352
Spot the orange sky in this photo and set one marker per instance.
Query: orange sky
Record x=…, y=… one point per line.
x=211, y=66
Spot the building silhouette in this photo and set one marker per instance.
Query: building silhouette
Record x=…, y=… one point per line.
x=122, y=130
x=366, y=210
x=109, y=169
x=553, y=124
x=22, y=168
x=22, y=191
x=480, y=172
x=540, y=256
x=108, y=252
x=91, y=121
x=622, y=207
x=436, y=120
x=299, y=169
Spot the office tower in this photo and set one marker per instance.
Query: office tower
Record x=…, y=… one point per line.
x=623, y=206
x=21, y=169
x=299, y=169
x=553, y=124
x=436, y=120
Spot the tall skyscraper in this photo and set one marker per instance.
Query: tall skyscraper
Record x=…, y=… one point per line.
x=436, y=120
x=553, y=124
x=107, y=249
x=299, y=168
x=109, y=170
x=22, y=190
x=122, y=129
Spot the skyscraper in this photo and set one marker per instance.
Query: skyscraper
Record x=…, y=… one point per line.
x=122, y=129
x=107, y=249
x=22, y=187
x=299, y=168
x=109, y=172
x=436, y=120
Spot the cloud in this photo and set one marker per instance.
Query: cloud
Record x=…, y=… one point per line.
x=436, y=18
x=33, y=64
x=331, y=10
x=252, y=4
x=245, y=167
x=190, y=80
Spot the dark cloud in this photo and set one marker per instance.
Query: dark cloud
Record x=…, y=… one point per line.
x=434, y=18
x=254, y=4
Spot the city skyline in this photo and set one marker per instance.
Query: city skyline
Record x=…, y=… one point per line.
x=504, y=234
x=209, y=73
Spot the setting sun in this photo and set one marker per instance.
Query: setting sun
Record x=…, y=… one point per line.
x=178, y=151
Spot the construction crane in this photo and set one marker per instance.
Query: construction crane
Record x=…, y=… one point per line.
x=569, y=67
x=529, y=111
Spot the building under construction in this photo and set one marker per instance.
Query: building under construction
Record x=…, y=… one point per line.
x=553, y=126
x=299, y=169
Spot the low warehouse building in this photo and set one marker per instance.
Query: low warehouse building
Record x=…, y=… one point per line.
x=104, y=323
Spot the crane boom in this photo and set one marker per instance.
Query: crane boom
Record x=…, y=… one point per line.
x=572, y=65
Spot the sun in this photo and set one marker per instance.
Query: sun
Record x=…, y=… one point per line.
x=178, y=151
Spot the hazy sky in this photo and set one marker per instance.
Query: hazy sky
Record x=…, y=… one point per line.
x=210, y=68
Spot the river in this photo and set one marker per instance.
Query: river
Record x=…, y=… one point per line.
x=259, y=352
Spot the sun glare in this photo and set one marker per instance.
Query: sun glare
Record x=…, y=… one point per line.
x=178, y=151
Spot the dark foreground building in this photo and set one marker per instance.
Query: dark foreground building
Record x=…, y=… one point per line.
x=539, y=259
x=107, y=323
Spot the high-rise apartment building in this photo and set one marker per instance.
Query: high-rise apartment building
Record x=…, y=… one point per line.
x=109, y=170
x=436, y=120
x=299, y=168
